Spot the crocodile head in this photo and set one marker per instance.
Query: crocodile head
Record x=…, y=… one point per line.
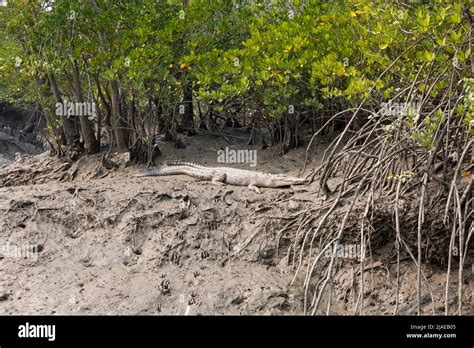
x=281, y=180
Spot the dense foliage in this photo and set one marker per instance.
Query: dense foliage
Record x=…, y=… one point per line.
x=154, y=66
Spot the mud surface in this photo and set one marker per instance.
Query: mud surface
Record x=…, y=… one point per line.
x=96, y=240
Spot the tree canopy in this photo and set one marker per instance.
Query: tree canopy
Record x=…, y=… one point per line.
x=266, y=60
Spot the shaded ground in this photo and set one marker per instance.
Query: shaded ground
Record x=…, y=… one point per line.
x=18, y=133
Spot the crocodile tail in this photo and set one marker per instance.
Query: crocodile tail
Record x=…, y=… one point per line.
x=188, y=164
x=152, y=172
x=174, y=170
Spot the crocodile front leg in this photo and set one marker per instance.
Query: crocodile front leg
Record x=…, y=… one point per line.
x=254, y=188
x=218, y=179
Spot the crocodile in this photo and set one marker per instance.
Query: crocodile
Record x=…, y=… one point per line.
x=225, y=175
